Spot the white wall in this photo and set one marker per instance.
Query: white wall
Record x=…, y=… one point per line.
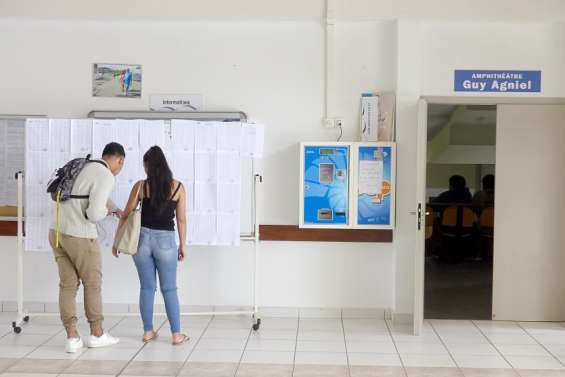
x=271, y=70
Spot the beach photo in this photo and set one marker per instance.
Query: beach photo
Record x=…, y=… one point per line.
x=116, y=80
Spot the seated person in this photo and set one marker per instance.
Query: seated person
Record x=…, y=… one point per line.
x=457, y=193
x=485, y=197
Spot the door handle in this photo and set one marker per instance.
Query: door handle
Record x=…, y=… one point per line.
x=419, y=216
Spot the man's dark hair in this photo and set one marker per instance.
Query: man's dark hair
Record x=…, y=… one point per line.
x=488, y=182
x=457, y=182
x=114, y=149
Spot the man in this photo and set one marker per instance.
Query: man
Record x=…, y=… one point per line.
x=485, y=197
x=457, y=193
x=78, y=254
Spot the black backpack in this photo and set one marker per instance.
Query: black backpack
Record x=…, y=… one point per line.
x=63, y=179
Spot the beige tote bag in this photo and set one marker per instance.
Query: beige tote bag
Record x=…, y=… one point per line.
x=127, y=236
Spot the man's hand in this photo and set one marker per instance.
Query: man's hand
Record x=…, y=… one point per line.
x=115, y=252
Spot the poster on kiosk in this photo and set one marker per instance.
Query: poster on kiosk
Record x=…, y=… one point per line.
x=374, y=200
x=324, y=185
x=347, y=185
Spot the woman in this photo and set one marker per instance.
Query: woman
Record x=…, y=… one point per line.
x=162, y=199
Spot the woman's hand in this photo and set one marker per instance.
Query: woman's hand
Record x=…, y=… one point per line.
x=181, y=253
x=115, y=252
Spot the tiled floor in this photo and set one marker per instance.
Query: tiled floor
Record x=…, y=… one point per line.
x=286, y=347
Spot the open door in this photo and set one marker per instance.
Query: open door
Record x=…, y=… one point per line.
x=529, y=258
x=420, y=249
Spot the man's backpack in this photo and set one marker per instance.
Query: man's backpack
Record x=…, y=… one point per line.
x=62, y=181
x=61, y=185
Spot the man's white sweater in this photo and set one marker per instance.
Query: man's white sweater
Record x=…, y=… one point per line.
x=78, y=217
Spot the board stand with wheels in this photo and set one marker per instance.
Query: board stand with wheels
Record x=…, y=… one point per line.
x=23, y=316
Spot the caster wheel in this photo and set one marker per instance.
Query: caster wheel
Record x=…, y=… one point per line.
x=17, y=329
x=256, y=327
x=13, y=324
x=26, y=318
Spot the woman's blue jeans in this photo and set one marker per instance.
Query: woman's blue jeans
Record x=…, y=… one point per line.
x=157, y=253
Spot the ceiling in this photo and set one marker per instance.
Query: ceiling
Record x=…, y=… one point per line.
x=461, y=118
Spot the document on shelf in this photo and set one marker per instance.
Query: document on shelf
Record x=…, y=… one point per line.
x=202, y=229
x=205, y=197
x=229, y=167
x=81, y=137
x=103, y=132
x=229, y=197
x=151, y=132
x=60, y=135
x=206, y=137
x=229, y=136
x=252, y=140
x=206, y=167
x=228, y=229
x=183, y=134
x=37, y=134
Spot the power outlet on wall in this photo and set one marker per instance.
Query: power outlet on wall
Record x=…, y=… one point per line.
x=333, y=122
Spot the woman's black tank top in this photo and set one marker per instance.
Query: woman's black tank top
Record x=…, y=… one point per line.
x=159, y=218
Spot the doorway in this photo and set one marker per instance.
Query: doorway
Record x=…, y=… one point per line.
x=528, y=279
x=460, y=177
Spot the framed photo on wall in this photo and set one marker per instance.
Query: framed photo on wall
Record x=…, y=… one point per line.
x=116, y=80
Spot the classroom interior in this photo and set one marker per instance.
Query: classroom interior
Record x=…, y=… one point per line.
x=444, y=289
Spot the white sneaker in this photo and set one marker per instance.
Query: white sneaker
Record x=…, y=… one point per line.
x=101, y=341
x=73, y=345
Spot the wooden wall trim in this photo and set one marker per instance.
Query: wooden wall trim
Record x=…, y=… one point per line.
x=294, y=233
x=8, y=228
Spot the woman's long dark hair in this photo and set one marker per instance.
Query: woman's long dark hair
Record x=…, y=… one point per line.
x=159, y=177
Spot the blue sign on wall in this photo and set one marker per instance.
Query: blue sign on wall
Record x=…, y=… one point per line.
x=497, y=81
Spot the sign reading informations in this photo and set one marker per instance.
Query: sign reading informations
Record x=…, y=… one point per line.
x=497, y=81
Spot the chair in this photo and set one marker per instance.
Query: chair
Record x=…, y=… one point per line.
x=457, y=232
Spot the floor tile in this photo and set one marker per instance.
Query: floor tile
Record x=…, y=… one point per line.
x=108, y=367
x=373, y=347
x=41, y=329
x=320, y=371
x=477, y=372
x=198, y=369
x=5, y=363
x=411, y=360
x=320, y=335
x=481, y=361
x=24, y=339
x=224, y=323
x=83, y=375
x=15, y=352
x=365, y=336
x=152, y=368
x=472, y=349
x=421, y=348
x=268, y=357
x=540, y=373
x=273, y=334
x=522, y=338
x=255, y=344
x=317, y=313
x=215, y=356
x=550, y=339
x=464, y=339
x=376, y=371
x=522, y=350
x=221, y=344
x=320, y=346
x=373, y=359
x=433, y=372
x=322, y=324
x=229, y=334
x=279, y=323
x=321, y=358
x=262, y=370
x=39, y=366
x=109, y=353
x=171, y=354
x=534, y=362
x=54, y=353
x=28, y=375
